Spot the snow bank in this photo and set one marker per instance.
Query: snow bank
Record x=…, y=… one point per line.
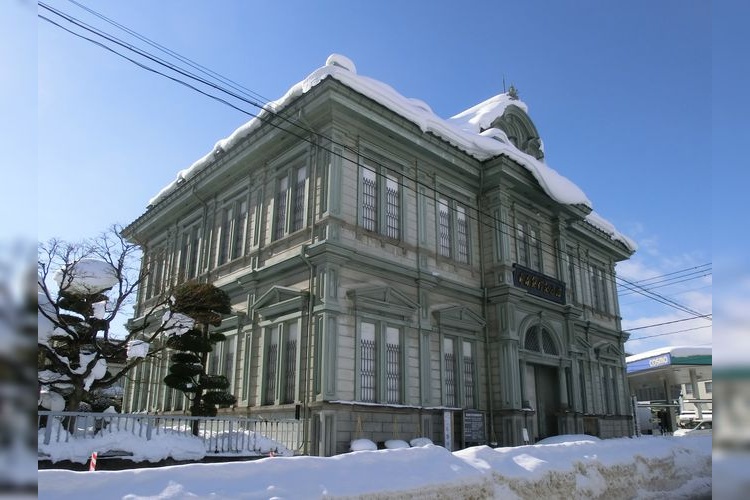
x=648, y=467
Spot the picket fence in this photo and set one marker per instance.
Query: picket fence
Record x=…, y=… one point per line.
x=222, y=435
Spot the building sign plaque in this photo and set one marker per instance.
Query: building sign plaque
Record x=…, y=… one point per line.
x=474, y=432
x=538, y=284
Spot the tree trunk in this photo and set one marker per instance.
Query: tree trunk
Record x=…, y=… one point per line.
x=72, y=404
x=199, y=394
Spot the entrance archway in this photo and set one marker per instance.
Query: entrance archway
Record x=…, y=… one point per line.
x=542, y=384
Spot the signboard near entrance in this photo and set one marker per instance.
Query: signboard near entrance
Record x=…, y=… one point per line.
x=474, y=430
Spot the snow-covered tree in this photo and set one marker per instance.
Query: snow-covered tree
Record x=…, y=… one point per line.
x=83, y=290
x=197, y=307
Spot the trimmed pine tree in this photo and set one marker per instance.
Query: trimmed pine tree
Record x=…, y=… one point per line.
x=206, y=305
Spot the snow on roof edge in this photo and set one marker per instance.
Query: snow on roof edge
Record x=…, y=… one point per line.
x=604, y=225
x=464, y=131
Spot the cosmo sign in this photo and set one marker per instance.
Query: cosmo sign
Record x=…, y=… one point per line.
x=650, y=363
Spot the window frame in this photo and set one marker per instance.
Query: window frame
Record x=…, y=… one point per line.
x=292, y=216
x=277, y=388
x=233, y=221
x=191, y=245
x=529, y=244
x=381, y=205
x=382, y=330
x=600, y=287
x=465, y=390
x=453, y=230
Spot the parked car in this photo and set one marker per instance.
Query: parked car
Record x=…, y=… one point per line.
x=702, y=428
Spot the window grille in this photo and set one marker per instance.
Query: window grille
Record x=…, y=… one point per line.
x=225, y=235
x=271, y=373
x=230, y=347
x=462, y=235
x=444, y=229
x=392, y=208
x=534, y=250
x=599, y=289
x=369, y=200
x=281, y=208
x=291, y=370
x=367, y=371
x=523, y=255
x=238, y=229
x=572, y=285
x=157, y=273
x=606, y=386
x=548, y=343
x=298, y=211
x=469, y=381
x=450, y=379
x=532, y=340
x=191, y=268
x=393, y=373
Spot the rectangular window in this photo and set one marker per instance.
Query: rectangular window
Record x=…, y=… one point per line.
x=380, y=363
x=709, y=387
x=528, y=248
x=444, y=224
x=214, y=360
x=271, y=363
x=453, y=231
x=281, y=208
x=469, y=401
x=290, y=362
x=582, y=385
x=291, y=195
x=393, y=365
x=227, y=369
x=392, y=207
x=232, y=230
x=599, y=288
x=298, y=209
x=688, y=389
x=367, y=362
x=462, y=236
x=572, y=271
x=157, y=271
x=381, y=202
x=369, y=199
x=449, y=359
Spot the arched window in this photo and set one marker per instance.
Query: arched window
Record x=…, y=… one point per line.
x=540, y=340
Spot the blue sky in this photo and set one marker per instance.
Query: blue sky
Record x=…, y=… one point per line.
x=621, y=94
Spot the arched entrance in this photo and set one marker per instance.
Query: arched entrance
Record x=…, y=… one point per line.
x=541, y=380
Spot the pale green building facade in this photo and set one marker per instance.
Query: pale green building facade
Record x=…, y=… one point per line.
x=391, y=282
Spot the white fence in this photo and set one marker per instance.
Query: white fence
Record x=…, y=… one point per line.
x=221, y=435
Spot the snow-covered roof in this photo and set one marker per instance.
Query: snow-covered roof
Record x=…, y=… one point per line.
x=469, y=131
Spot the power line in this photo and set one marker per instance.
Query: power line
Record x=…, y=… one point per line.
x=642, y=281
x=681, y=292
x=672, y=282
x=669, y=333
x=664, y=323
x=632, y=286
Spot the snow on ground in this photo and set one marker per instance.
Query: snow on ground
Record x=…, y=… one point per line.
x=645, y=467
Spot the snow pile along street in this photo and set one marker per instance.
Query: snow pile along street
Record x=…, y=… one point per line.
x=646, y=467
